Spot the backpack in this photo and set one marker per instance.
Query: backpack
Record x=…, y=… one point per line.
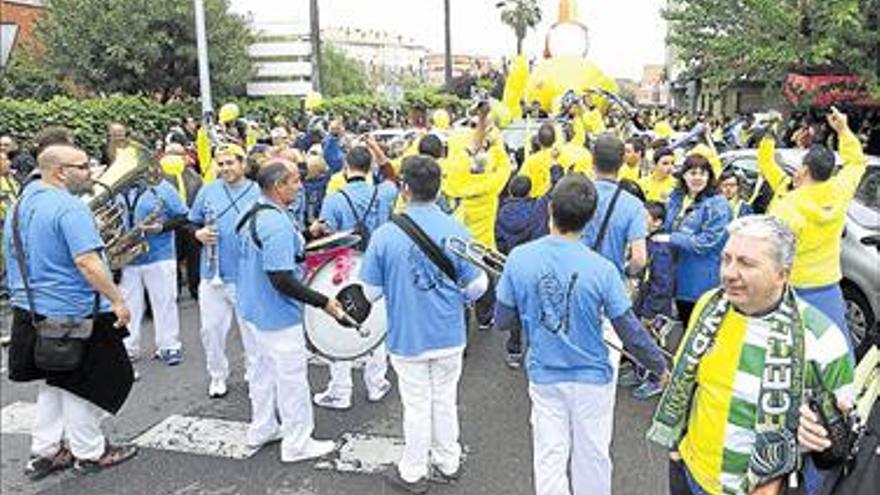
x=360, y=226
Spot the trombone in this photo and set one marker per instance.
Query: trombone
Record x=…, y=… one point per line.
x=477, y=253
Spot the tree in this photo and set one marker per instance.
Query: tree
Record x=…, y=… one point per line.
x=342, y=75
x=520, y=15
x=144, y=46
x=722, y=42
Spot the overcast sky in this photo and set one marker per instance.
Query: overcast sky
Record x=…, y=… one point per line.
x=624, y=34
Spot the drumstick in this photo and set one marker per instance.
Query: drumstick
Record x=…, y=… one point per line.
x=362, y=331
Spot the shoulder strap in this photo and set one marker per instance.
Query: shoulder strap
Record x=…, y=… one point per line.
x=603, y=229
x=19, y=257
x=250, y=218
x=358, y=219
x=429, y=247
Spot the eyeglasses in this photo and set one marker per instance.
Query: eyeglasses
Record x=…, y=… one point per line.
x=80, y=166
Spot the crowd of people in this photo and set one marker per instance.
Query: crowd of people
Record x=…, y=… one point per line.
x=613, y=226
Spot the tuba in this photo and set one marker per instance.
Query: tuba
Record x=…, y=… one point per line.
x=131, y=166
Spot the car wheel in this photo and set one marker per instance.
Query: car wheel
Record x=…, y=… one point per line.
x=859, y=318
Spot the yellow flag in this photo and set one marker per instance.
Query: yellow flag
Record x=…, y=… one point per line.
x=203, y=151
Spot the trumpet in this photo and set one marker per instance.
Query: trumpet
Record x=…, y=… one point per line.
x=477, y=253
x=212, y=251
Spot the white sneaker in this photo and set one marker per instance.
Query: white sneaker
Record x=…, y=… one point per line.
x=217, y=388
x=315, y=449
x=380, y=392
x=328, y=400
x=260, y=442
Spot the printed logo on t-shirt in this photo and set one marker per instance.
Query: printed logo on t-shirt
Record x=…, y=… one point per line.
x=425, y=275
x=555, y=297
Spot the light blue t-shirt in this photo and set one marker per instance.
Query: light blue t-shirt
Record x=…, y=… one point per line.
x=142, y=202
x=561, y=291
x=55, y=228
x=628, y=223
x=339, y=215
x=226, y=203
x=425, y=310
x=282, y=245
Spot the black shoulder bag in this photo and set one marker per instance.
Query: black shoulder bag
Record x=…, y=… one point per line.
x=60, y=343
x=429, y=247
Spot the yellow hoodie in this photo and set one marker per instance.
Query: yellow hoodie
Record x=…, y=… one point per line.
x=816, y=213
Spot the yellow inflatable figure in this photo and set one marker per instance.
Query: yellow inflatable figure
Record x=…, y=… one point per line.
x=554, y=76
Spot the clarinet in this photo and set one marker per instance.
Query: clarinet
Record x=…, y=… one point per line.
x=211, y=250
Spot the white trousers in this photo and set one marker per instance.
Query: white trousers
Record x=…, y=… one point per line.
x=374, y=374
x=279, y=390
x=429, y=393
x=160, y=280
x=216, y=310
x=61, y=415
x=572, y=424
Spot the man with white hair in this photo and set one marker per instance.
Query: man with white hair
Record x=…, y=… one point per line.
x=733, y=414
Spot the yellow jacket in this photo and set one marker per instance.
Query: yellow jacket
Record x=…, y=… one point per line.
x=817, y=212
x=478, y=194
x=776, y=178
x=657, y=190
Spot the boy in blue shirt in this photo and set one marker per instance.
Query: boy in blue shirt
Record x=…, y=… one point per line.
x=561, y=290
x=653, y=304
x=426, y=326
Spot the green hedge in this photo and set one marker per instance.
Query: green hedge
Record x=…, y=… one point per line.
x=149, y=120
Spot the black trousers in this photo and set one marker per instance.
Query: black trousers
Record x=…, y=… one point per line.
x=188, y=251
x=485, y=305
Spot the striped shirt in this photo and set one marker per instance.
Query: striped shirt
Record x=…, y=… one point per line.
x=721, y=427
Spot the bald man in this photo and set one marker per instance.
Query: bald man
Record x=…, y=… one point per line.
x=56, y=272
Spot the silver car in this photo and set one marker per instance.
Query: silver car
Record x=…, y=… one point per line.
x=860, y=248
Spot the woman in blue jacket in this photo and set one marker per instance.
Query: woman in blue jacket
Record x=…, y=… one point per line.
x=696, y=219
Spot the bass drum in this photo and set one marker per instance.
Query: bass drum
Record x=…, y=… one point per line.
x=325, y=336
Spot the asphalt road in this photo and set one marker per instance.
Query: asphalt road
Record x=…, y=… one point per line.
x=494, y=415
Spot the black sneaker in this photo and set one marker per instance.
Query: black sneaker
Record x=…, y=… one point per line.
x=113, y=455
x=393, y=479
x=38, y=468
x=514, y=360
x=438, y=476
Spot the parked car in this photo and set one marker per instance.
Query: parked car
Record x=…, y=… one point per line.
x=860, y=247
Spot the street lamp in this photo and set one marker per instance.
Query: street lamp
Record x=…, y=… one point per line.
x=204, y=71
x=448, y=58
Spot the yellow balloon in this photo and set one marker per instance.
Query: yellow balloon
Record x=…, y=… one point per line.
x=554, y=76
x=228, y=113
x=313, y=100
x=440, y=119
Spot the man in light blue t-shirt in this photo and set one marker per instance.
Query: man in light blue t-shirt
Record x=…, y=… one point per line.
x=60, y=257
x=363, y=207
x=155, y=270
x=426, y=326
x=560, y=291
x=270, y=294
x=212, y=218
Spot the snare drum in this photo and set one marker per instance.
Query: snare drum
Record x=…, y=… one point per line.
x=325, y=336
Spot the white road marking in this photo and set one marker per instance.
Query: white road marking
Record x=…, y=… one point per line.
x=364, y=454
x=18, y=418
x=202, y=436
